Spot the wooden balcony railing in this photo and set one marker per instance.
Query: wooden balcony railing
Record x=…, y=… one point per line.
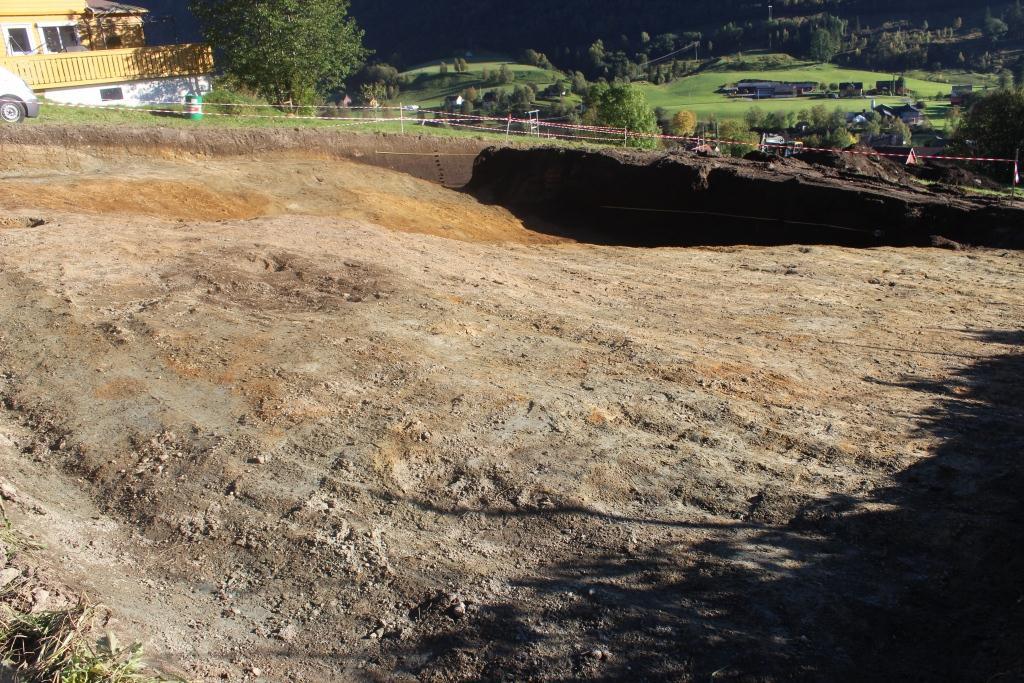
x=70, y=69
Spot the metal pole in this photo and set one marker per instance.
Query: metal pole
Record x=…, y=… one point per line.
x=1016, y=172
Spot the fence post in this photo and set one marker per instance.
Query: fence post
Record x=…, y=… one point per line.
x=401, y=116
x=1016, y=174
x=508, y=128
x=625, y=136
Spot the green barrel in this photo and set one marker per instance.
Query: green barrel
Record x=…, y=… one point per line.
x=194, y=106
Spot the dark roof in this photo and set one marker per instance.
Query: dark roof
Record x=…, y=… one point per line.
x=112, y=7
x=889, y=110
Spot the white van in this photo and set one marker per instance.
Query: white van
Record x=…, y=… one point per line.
x=17, y=100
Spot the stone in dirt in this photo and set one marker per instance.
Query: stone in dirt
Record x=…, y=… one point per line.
x=8, y=575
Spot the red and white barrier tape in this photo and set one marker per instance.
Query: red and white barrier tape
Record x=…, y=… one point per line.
x=236, y=104
x=280, y=117
x=615, y=135
x=621, y=132
x=550, y=136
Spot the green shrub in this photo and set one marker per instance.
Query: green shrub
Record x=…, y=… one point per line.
x=224, y=100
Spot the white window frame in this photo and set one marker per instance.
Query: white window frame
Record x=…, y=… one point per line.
x=54, y=24
x=33, y=37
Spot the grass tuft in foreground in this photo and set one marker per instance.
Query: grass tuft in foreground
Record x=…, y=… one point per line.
x=59, y=646
x=11, y=539
x=54, y=647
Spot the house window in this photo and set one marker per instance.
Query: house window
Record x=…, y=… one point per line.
x=59, y=38
x=111, y=94
x=18, y=41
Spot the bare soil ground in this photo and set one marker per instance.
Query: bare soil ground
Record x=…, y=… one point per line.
x=296, y=418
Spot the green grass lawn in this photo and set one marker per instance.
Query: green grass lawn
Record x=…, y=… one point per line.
x=55, y=114
x=697, y=93
x=431, y=87
x=953, y=77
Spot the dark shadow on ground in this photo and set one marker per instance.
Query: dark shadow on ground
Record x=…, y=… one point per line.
x=922, y=580
x=630, y=198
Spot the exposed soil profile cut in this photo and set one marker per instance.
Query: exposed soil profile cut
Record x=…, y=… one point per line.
x=653, y=199
x=446, y=161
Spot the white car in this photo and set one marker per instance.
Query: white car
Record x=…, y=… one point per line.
x=17, y=101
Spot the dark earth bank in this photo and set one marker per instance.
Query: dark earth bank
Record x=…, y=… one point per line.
x=677, y=198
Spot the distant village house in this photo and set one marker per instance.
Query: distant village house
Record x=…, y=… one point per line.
x=852, y=89
x=453, y=102
x=893, y=87
x=906, y=113
x=959, y=94
x=764, y=90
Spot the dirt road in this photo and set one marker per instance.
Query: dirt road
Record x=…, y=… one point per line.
x=288, y=429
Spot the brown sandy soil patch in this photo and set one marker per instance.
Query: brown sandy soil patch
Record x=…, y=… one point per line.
x=154, y=198
x=319, y=447
x=213, y=189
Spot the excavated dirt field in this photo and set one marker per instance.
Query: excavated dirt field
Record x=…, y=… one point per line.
x=296, y=418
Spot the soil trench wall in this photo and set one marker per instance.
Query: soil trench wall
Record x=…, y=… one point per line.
x=655, y=199
x=448, y=161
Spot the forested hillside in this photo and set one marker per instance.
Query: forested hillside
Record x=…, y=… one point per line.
x=409, y=30
x=617, y=38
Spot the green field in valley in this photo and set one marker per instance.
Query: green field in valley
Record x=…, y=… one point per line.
x=697, y=93
x=430, y=87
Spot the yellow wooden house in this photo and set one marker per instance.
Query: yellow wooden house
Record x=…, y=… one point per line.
x=95, y=52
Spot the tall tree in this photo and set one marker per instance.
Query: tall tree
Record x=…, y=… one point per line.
x=289, y=51
x=625, y=106
x=684, y=123
x=994, y=125
x=823, y=45
x=736, y=138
